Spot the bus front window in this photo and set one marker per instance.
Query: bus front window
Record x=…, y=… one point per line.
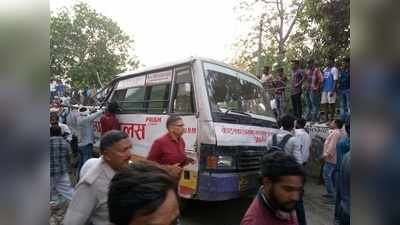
x=231, y=90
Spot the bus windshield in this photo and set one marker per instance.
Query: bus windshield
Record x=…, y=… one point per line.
x=231, y=90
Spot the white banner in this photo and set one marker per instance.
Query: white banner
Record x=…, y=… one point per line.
x=144, y=129
x=234, y=134
x=159, y=77
x=131, y=82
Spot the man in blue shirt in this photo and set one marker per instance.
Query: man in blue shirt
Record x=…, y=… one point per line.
x=342, y=149
x=344, y=90
x=342, y=209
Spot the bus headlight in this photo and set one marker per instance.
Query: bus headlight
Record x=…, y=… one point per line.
x=224, y=161
x=220, y=162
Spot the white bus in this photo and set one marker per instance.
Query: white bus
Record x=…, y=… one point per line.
x=227, y=122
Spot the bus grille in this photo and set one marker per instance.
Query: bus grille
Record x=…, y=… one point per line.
x=249, y=160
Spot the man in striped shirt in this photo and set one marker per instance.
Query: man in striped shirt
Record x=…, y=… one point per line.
x=59, y=161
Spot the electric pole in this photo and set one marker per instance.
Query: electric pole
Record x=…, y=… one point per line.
x=259, y=64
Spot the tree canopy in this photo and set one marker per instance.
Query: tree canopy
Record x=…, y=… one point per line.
x=88, y=48
x=293, y=29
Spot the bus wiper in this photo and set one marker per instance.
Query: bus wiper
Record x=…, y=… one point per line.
x=237, y=111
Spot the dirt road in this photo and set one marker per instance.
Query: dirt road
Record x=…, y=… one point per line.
x=231, y=212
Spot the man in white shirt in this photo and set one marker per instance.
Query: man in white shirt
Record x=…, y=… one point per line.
x=52, y=89
x=285, y=139
x=89, y=201
x=304, y=139
x=329, y=86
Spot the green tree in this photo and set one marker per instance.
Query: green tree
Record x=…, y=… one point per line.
x=327, y=25
x=275, y=22
x=311, y=29
x=87, y=48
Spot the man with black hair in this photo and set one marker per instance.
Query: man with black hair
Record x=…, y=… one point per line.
x=59, y=161
x=284, y=140
x=343, y=208
x=280, y=86
x=304, y=139
x=86, y=134
x=109, y=121
x=65, y=131
x=313, y=78
x=268, y=82
x=342, y=148
x=329, y=86
x=344, y=90
x=89, y=202
x=329, y=158
x=282, y=181
x=296, y=84
x=143, y=194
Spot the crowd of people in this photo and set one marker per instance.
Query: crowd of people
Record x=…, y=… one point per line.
x=114, y=189
x=88, y=197
x=62, y=95
x=318, y=88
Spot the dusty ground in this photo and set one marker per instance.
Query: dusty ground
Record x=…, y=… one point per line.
x=230, y=212
x=317, y=212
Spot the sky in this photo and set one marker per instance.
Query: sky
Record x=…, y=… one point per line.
x=169, y=30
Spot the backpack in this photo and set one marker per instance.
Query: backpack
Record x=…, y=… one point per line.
x=281, y=145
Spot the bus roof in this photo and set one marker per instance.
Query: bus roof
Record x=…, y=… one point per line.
x=127, y=74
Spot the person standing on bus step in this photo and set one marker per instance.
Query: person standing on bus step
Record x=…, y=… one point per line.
x=169, y=149
x=282, y=180
x=109, y=121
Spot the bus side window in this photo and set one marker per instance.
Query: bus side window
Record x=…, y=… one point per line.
x=158, y=98
x=183, y=98
x=134, y=100
x=118, y=96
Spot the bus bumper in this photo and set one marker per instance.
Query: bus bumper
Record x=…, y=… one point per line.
x=225, y=186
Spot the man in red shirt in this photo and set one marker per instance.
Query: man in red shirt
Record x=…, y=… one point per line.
x=109, y=121
x=282, y=186
x=169, y=149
